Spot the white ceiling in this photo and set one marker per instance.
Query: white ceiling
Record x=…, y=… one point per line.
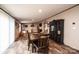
x=29, y=12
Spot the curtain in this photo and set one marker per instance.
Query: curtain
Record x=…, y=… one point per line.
x=7, y=31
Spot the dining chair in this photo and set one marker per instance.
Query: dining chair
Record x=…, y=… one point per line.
x=29, y=39
x=41, y=45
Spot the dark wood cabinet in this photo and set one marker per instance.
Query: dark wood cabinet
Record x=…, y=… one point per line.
x=57, y=30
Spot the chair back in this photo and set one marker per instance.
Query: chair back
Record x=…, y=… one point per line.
x=43, y=42
x=41, y=45
x=28, y=35
x=29, y=40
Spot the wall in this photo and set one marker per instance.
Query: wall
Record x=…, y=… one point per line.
x=71, y=32
x=29, y=28
x=17, y=29
x=7, y=33
x=35, y=28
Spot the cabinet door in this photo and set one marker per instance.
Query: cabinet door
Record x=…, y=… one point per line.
x=57, y=30
x=52, y=29
x=60, y=31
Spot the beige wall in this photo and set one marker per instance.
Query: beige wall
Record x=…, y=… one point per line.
x=16, y=33
x=35, y=29
x=29, y=28
x=17, y=30
x=71, y=32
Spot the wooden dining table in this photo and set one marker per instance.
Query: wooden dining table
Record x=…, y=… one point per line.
x=38, y=35
x=41, y=34
x=35, y=37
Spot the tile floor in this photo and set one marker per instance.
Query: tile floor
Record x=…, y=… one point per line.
x=20, y=47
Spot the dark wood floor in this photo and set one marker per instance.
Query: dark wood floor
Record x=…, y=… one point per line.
x=55, y=48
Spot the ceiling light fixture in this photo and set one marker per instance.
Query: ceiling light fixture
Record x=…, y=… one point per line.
x=40, y=10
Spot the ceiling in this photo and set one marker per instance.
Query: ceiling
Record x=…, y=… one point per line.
x=34, y=12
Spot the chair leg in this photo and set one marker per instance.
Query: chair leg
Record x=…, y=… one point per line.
x=28, y=47
x=35, y=49
x=32, y=49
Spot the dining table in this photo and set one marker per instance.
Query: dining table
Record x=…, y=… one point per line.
x=35, y=37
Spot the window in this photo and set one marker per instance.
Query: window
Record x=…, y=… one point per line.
x=7, y=31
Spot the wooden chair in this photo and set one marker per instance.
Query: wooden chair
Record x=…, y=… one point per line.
x=40, y=45
x=29, y=39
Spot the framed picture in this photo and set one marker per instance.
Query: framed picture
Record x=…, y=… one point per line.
x=26, y=25
x=40, y=24
x=32, y=25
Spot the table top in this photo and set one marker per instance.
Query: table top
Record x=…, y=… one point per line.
x=40, y=33
x=35, y=36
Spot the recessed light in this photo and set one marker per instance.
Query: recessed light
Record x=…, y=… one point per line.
x=40, y=10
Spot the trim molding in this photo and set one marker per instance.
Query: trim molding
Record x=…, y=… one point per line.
x=63, y=11
x=43, y=19
x=60, y=12
x=10, y=15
